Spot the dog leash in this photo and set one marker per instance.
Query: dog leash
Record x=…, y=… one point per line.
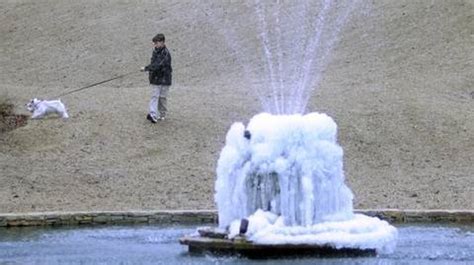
x=96, y=84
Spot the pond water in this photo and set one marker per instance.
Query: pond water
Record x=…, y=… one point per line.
x=417, y=244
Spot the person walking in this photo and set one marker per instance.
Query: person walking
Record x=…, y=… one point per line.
x=160, y=75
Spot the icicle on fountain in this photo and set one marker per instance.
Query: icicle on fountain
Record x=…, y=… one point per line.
x=280, y=190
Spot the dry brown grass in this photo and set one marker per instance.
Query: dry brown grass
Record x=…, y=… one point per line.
x=398, y=86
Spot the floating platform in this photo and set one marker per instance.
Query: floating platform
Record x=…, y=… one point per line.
x=240, y=246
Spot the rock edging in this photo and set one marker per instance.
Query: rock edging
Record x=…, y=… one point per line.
x=421, y=216
x=208, y=216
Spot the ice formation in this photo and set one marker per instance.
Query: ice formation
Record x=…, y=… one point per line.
x=284, y=173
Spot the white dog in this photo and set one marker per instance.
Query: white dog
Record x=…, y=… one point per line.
x=41, y=108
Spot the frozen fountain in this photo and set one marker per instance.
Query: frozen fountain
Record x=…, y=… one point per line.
x=280, y=190
x=280, y=181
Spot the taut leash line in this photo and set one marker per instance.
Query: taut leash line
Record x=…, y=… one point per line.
x=95, y=84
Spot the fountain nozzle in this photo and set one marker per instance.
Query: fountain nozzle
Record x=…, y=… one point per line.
x=247, y=134
x=244, y=225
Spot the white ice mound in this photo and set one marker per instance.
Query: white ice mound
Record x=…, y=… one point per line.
x=362, y=232
x=291, y=167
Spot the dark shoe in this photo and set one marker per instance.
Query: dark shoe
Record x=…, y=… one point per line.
x=151, y=118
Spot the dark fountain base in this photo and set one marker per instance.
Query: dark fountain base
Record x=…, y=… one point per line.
x=218, y=244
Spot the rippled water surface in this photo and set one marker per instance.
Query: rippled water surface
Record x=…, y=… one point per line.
x=433, y=244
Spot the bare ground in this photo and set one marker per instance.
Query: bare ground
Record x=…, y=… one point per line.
x=400, y=85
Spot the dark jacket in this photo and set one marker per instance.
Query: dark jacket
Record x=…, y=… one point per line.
x=160, y=71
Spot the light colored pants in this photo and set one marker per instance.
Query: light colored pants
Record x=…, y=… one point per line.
x=158, y=100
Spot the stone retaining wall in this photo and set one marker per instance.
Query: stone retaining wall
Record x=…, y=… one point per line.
x=93, y=218
x=209, y=216
x=422, y=216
